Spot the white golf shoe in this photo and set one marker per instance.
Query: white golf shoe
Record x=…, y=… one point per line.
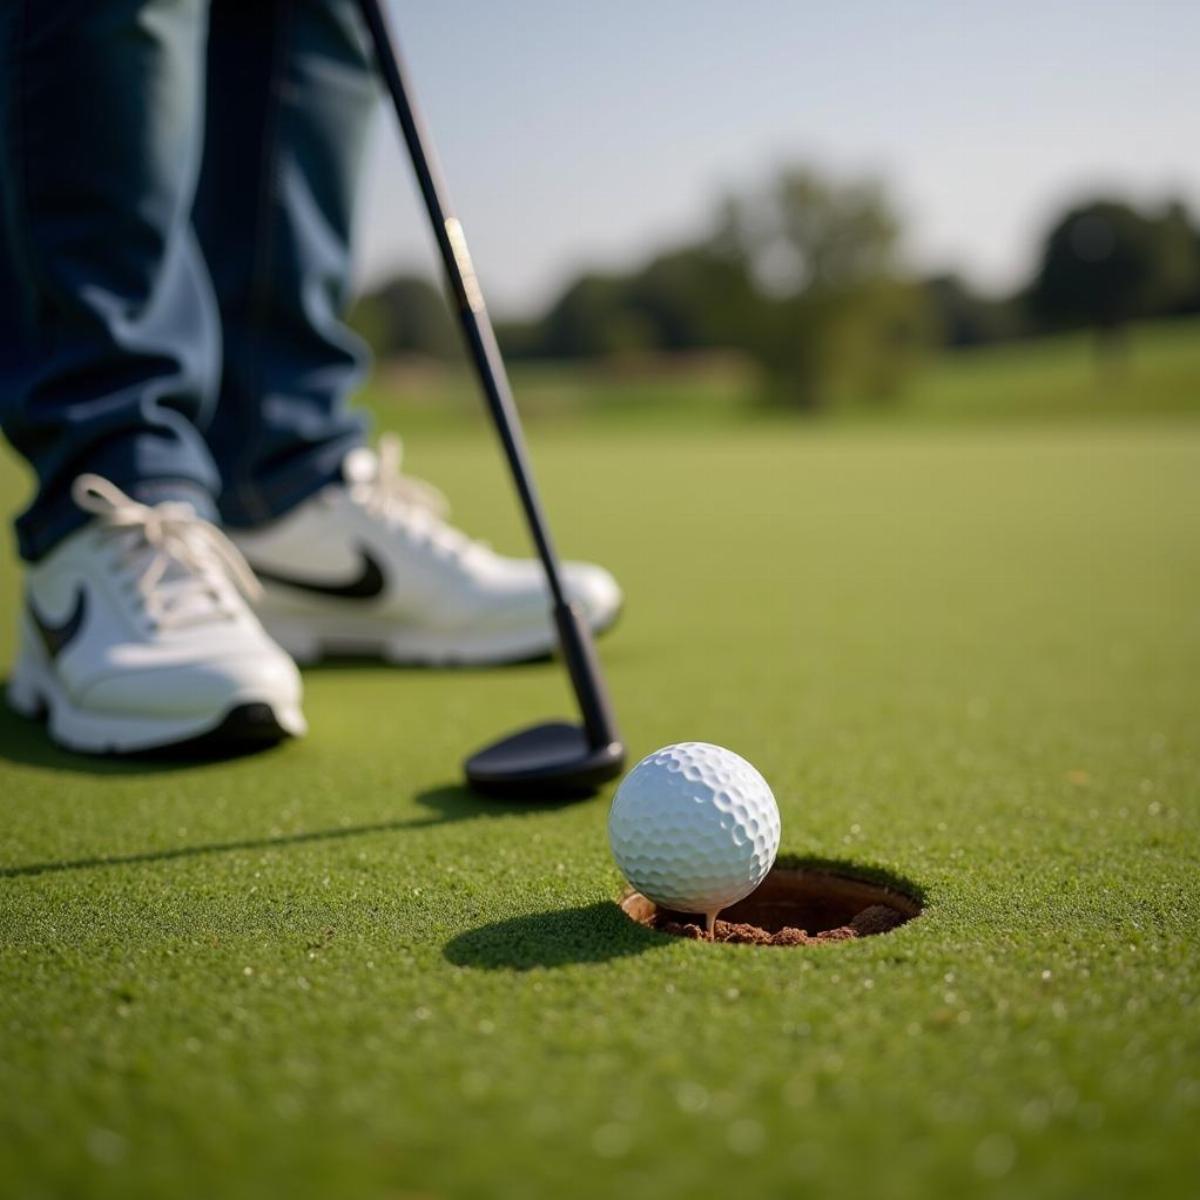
x=136, y=634
x=369, y=566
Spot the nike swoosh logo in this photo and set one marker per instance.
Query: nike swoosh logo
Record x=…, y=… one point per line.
x=57, y=637
x=366, y=585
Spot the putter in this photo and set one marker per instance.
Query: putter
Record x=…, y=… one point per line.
x=557, y=759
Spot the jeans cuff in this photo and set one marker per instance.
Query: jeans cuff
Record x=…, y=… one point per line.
x=265, y=500
x=159, y=491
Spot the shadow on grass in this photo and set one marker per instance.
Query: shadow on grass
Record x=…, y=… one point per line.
x=24, y=740
x=593, y=933
x=367, y=663
x=456, y=802
x=448, y=803
x=600, y=932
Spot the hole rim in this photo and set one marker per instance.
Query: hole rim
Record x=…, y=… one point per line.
x=854, y=889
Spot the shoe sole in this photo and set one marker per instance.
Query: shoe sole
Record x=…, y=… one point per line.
x=247, y=723
x=244, y=729
x=313, y=640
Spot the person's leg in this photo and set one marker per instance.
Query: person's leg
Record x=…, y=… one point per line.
x=109, y=343
x=134, y=632
x=290, y=97
x=354, y=556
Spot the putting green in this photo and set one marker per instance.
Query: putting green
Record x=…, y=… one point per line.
x=970, y=659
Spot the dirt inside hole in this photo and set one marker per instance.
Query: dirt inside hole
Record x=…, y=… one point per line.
x=793, y=906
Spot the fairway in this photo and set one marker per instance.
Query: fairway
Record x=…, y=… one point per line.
x=965, y=658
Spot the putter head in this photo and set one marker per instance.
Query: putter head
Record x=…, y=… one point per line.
x=546, y=762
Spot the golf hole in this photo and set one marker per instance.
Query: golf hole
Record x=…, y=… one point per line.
x=793, y=906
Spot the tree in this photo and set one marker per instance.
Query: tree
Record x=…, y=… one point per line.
x=1103, y=264
x=407, y=315
x=1182, y=234
x=963, y=317
x=838, y=318
x=801, y=275
x=693, y=297
x=592, y=318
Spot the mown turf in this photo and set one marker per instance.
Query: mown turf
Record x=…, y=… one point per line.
x=967, y=658
x=1050, y=380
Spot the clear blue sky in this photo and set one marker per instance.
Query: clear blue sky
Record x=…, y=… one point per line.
x=587, y=133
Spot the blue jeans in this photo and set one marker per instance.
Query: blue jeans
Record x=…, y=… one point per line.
x=177, y=186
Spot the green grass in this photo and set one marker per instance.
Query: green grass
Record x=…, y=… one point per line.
x=1057, y=378
x=966, y=656
x=1051, y=380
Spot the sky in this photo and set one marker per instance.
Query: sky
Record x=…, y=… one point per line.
x=587, y=135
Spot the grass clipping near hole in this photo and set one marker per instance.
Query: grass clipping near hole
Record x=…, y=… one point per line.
x=879, y=918
x=794, y=906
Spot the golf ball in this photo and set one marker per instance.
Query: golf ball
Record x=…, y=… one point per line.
x=694, y=827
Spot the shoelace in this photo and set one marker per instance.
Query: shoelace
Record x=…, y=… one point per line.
x=174, y=536
x=398, y=498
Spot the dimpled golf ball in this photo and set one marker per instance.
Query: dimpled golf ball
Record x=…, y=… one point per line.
x=694, y=827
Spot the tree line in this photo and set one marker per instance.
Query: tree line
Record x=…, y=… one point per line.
x=804, y=276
